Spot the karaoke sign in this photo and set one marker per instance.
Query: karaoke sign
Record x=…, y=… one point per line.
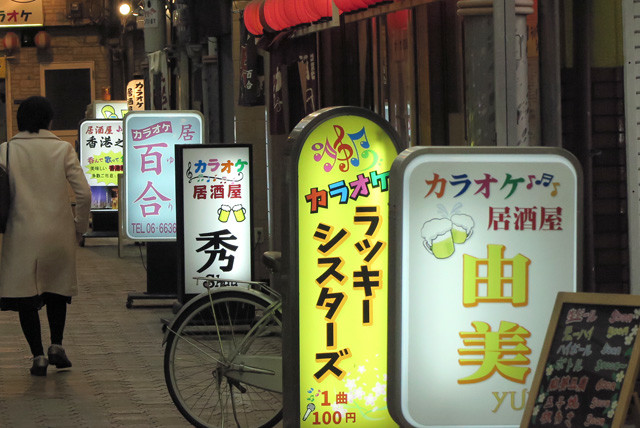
x=149, y=163
x=342, y=232
x=482, y=241
x=214, y=212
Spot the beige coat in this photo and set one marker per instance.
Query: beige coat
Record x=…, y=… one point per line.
x=39, y=246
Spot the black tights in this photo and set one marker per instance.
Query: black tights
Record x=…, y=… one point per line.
x=30, y=323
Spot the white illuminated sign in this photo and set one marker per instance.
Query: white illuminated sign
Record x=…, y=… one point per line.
x=215, y=182
x=484, y=239
x=149, y=164
x=110, y=109
x=101, y=154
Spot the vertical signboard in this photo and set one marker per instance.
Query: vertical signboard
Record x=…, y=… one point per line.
x=214, y=213
x=482, y=241
x=340, y=282
x=101, y=154
x=135, y=95
x=149, y=159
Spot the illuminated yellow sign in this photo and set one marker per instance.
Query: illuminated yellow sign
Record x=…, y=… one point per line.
x=343, y=183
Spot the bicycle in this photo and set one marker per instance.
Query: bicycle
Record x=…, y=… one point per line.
x=223, y=355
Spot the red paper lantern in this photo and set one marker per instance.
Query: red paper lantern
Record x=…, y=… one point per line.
x=304, y=16
x=290, y=13
x=324, y=8
x=257, y=22
x=42, y=39
x=309, y=6
x=351, y=5
x=282, y=16
x=252, y=18
x=11, y=41
x=272, y=16
x=262, y=14
x=343, y=5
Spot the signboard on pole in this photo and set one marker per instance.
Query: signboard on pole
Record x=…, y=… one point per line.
x=149, y=159
x=338, y=295
x=101, y=154
x=214, y=213
x=482, y=241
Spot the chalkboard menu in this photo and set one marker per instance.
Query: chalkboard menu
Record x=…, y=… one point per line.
x=589, y=363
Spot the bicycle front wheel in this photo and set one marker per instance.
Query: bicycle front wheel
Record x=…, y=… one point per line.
x=223, y=360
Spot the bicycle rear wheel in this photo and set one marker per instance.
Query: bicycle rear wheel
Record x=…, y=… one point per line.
x=223, y=360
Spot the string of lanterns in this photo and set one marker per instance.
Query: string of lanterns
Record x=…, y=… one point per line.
x=277, y=15
x=11, y=41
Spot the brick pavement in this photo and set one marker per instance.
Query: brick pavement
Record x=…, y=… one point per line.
x=117, y=375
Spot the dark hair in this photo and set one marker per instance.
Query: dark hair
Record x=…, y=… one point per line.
x=35, y=113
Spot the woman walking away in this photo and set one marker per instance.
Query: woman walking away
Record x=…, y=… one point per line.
x=38, y=264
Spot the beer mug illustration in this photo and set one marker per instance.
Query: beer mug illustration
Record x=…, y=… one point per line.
x=239, y=212
x=223, y=213
x=437, y=237
x=462, y=227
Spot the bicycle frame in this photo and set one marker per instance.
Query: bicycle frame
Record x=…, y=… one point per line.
x=260, y=371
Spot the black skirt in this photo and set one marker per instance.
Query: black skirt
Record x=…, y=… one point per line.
x=31, y=303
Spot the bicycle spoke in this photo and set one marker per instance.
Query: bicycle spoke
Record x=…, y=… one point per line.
x=211, y=381
x=195, y=346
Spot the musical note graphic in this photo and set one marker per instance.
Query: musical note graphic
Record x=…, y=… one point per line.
x=327, y=149
x=545, y=180
x=345, y=154
x=359, y=138
x=342, y=149
x=530, y=185
x=555, y=188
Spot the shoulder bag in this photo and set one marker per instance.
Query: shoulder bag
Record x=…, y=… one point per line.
x=5, y=195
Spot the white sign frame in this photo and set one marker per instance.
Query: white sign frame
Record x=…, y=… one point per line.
x=414, y=305
x=86, y=152
x=214, y=198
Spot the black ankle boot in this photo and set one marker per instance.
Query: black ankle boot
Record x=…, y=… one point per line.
x=39, y=367
x=57, y=357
